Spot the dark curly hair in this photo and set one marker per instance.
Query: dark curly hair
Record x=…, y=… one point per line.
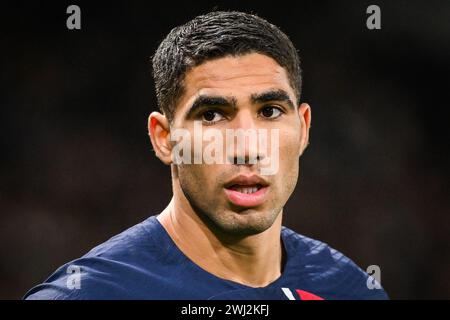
x=215, y=35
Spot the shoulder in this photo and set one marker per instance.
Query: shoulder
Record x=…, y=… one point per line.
x=115, y=269
x=328, y=271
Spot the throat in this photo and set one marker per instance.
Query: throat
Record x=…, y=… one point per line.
x=254, y=261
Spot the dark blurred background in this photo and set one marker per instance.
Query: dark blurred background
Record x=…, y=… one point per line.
x=77, y=166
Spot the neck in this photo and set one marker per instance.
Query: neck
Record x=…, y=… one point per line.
x=252, y=260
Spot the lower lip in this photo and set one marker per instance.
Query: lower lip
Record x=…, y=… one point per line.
x=247, y=199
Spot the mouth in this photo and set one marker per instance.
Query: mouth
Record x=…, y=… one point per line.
x=245, y=191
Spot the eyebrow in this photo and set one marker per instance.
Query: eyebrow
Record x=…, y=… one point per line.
x=272, y=95
x=216, y=101
x=220, y=101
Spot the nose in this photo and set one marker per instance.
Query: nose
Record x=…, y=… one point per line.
x=243, y=140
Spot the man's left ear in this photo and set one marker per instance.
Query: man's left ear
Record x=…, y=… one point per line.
x=304, y=111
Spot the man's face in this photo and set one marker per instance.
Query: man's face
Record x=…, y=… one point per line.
x=246, y=92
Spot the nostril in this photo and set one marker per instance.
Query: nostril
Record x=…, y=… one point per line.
x=247, y=160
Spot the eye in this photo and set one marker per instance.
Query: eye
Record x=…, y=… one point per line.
x=270, y=112
x=211, y=117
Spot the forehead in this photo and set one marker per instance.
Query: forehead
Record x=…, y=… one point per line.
x=238, y=76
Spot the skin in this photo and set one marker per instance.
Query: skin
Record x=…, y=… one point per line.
x=241, y=244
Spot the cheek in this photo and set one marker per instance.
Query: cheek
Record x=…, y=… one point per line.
x=289, y=158
x=289, y=146
x=198, y=178
x=199, y=185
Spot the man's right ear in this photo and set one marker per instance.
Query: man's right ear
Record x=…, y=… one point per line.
x=159, y=132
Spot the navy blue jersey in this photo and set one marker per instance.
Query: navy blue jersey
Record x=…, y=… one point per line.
x=144, y=263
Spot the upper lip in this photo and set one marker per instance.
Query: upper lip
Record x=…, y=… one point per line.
x=244, y=180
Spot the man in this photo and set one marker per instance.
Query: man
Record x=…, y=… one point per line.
x=221, y=236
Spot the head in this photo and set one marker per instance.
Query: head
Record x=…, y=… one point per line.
x=230, y=71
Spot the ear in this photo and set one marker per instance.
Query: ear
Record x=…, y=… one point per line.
x=304, y=111
x=159, y=132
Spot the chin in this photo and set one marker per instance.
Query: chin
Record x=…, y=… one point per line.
x=244, y=223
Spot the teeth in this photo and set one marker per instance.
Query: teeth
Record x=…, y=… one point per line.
x=246, y=190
